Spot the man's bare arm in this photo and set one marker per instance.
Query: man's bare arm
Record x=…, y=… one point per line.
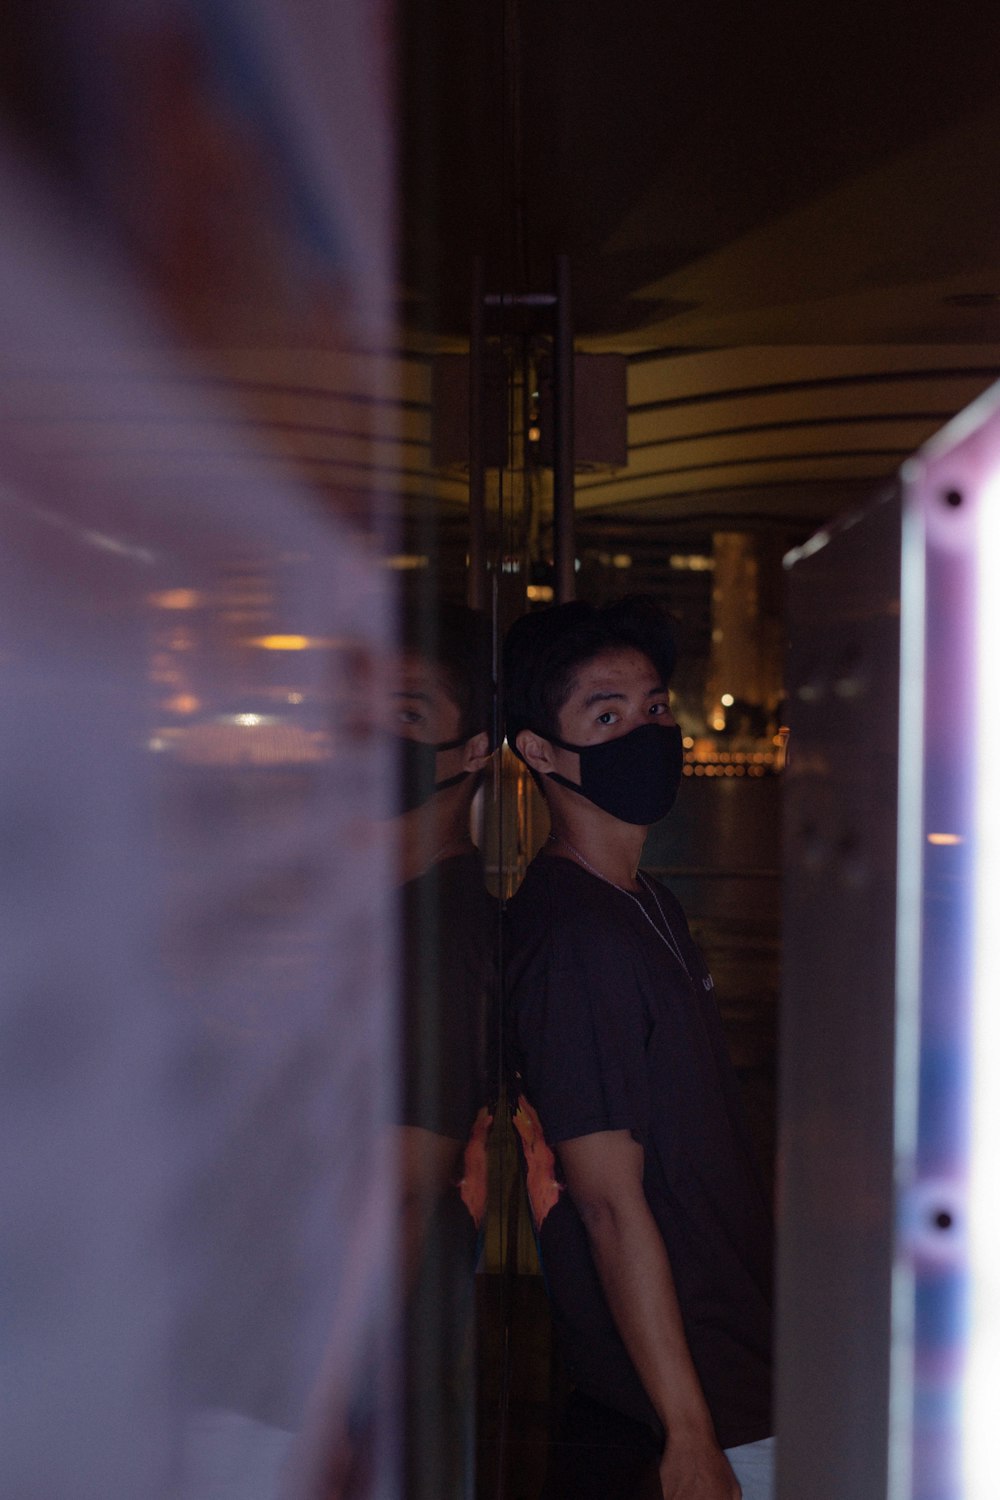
x=428, y=1165
x=604, y=1176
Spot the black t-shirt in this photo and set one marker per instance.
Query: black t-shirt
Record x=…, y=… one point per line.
x=609, y=1031
x=449, y=948
x=449, y=1087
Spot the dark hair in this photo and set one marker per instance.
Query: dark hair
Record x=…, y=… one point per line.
x=543, y=651
x=459, y=641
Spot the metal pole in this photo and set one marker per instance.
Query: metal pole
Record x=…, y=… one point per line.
x=564, y=530
x=477, y=586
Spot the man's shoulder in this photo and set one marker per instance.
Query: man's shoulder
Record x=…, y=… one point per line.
x=557, y=890
x=566, y=917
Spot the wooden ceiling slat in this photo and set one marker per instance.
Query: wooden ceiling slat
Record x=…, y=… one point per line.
x=899, y=397
x=898, y=435
x=932, y=419
x=733, y=477
x=726, y=373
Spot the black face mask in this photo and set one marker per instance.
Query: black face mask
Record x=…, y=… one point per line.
x=418, y=768
x=635, y=777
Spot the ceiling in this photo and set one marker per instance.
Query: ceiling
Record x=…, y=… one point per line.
x=787, y=217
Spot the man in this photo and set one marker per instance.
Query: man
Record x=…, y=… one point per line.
x=434, y=698
x=437, y=700
x=653, y=1226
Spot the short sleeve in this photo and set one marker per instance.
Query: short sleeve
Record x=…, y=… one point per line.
x=448, y=1000
x=577, y=1020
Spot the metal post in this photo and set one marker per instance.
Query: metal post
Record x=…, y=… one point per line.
x=564, y=531
x=478, y=579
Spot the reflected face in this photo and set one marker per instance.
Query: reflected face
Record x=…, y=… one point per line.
x=611, y=695
x=414, y=700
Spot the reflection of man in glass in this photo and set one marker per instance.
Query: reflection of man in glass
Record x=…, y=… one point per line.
x=437, y=698
x=653, y=1226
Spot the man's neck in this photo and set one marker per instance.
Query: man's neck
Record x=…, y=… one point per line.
x=429, y=834
x=595, y=839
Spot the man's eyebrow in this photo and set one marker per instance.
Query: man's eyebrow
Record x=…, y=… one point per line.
x=410, y=693
x=608, y=697
x=600, y=697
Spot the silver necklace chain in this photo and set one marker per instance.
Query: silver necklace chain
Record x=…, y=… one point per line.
x=666, y=936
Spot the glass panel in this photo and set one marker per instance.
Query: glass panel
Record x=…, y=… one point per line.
x=447, y=571
x=199, y=1002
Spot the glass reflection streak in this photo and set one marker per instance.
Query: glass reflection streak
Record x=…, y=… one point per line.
x=196, y=977
x=951, y=1214
x=983, y=1370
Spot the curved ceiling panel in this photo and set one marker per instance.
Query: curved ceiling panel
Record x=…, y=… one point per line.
x=785, y=218
x=790, y=424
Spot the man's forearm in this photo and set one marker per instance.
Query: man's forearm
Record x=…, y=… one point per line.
x=635, y=1273
x=604, y=1174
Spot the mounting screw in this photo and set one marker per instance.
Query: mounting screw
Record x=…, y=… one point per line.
x=953, y=498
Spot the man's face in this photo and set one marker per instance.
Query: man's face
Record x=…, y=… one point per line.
x=414, y=700
x=611, y=695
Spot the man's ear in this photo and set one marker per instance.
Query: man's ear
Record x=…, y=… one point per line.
x=476, y=753
x=536, y=752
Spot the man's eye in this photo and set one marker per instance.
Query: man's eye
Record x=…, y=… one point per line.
x=409, y=716
x=659, y=708
x=607, y=717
